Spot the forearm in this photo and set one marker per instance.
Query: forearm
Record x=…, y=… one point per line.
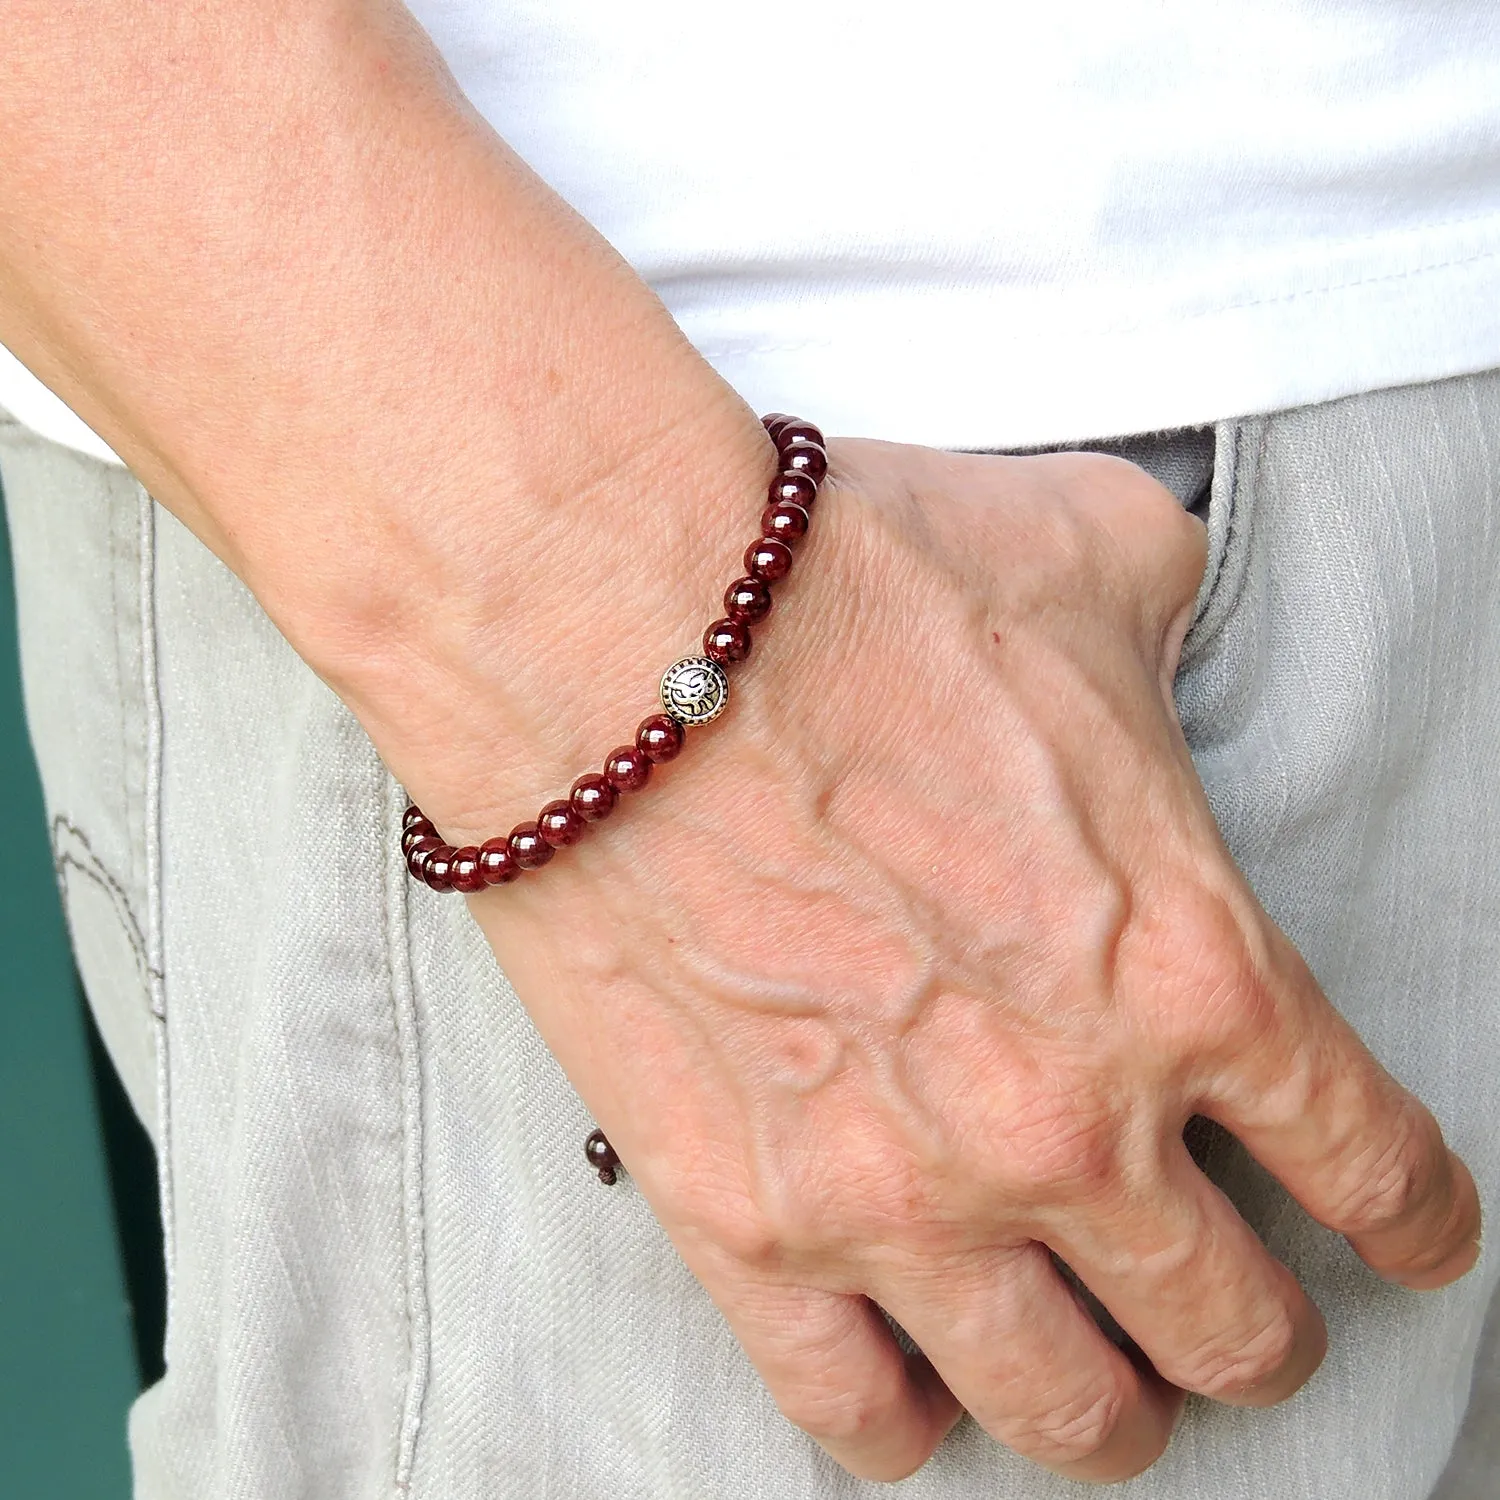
x=271, y=255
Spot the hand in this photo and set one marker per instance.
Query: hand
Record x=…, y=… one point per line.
x=916, y=964
x=912, y=969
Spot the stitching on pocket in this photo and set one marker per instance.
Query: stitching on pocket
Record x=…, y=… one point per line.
x=413, y=1214
x=72, y=850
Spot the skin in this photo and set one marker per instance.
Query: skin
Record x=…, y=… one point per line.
x=907, y=976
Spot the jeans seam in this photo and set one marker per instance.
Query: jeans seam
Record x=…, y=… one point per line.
x=398, y=952
x=153, y=935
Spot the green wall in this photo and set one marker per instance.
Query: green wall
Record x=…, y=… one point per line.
x=69, y=1365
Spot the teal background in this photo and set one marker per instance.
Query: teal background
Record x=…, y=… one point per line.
x=70, y=1357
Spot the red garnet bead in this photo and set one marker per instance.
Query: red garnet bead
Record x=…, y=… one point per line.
x=626, y=768
x=788, y=523
x=793, y=489
x=413, y=814
x=496, y=863
x=803, y=457
x=747, y=600
x=726, y=642
x=417, y=852
x=464, y=873
x=774, y=422
x=527, y=846
x=601, y=1156
x=658, y=738
x=794, y=431
x=415, y=831
x=559, y=824
x=768, y=560
x=437, y=868
x=593, y=797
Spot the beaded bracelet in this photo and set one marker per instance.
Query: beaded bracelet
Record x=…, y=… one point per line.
x=694, y=690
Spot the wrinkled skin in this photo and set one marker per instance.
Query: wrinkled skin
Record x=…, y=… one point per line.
x=915, y=964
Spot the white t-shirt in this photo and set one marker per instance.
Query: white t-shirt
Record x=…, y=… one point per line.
x=996, y=224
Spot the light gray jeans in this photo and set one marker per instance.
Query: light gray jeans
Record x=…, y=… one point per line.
x=391, y=1273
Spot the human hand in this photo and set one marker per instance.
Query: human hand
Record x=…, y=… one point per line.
x=918, y=966
x=924, y=954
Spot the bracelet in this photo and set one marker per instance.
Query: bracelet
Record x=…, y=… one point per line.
x=694, y=690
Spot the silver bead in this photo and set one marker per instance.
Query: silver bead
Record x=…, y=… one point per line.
x=694, y=690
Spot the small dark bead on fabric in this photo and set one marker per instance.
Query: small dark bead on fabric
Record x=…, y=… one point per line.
x=601, y=1156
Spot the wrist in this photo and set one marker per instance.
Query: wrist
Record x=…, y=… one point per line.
x=502, y=651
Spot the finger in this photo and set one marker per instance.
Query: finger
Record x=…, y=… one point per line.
x=1189, y=1281
x=1016, y=1346
x=833, y=1366
x=1360, y=1153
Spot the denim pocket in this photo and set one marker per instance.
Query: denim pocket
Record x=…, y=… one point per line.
x=1229, y=515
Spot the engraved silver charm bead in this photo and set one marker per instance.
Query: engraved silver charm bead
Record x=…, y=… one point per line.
x=694, y=690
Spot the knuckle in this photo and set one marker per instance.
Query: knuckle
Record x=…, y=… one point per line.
x=1216, y=996
x=1146, y=516
x=736, y=1228
x=1382, y=1187
x=1127, y=484
x=1223, y=1370
x=1062, y=1150
x=1243, y=1010
x=1074, y=1429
